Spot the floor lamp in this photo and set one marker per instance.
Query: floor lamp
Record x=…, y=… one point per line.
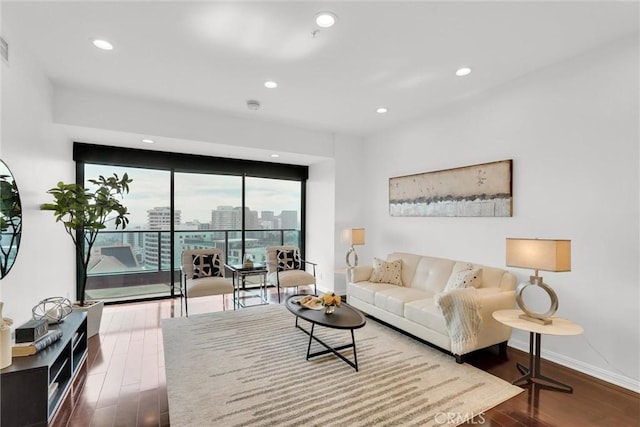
x=538, y=254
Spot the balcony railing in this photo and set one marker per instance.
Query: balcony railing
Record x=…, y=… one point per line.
x=139, y=257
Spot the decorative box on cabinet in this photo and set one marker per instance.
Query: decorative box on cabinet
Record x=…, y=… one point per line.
x=34, y=388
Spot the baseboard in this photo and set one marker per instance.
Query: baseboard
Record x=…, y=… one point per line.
x=594, y=371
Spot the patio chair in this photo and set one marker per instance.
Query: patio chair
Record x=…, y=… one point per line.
x=202, y=274
x=285, y=268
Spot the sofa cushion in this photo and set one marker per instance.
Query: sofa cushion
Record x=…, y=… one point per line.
x=492, y=277
x=409, y=264
x=431, y=274
x=213, y=285
x=386, y=272
x=487, y=291
x=394, y=299
x=464, y=279
x=289, y=278
x=425, y=312
x=365, y=291
x=207, y=265
x=289, y=260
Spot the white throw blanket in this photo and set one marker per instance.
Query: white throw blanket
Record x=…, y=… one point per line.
x=461, y=311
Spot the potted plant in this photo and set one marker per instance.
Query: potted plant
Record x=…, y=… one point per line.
x=85, y=212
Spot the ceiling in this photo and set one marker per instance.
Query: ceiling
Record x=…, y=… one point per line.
x=217, y=55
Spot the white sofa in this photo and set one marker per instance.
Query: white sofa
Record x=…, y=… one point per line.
x=412, y=307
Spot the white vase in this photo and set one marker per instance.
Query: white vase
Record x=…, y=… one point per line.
x=5, y=346
x=94, y=316
x=5, y=340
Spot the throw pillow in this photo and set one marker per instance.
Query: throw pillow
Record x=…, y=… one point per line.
x=289, y=260
x=464, y=279
x=207, y=266
x=387, y=272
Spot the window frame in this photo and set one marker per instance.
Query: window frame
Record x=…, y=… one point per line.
x=173, y=162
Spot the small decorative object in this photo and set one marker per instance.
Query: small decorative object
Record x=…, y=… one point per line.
x=31, y=331
x=248, y=262
x=330, y=301
x=53, y=309
x=5, y=339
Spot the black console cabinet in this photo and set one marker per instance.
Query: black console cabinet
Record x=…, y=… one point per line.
x=33, y=388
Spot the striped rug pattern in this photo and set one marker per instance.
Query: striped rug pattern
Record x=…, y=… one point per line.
x=247, y=368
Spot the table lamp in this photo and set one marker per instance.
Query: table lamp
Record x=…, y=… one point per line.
x=357, y=238
x=538, y=254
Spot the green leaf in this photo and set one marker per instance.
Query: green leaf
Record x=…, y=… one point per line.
x=82, y=210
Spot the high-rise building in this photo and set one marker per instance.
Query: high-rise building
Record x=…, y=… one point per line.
x=289, y=219
x=159, y=218
x=268, y=220
x=222, y=218
x=251, y=221
x=230, y=218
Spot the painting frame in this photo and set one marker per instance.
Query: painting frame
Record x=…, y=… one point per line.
x=480, y=190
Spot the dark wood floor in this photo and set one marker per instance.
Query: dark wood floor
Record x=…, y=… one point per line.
x=126, y=383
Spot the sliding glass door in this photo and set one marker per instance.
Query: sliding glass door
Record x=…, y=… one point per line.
x=134, y=263
x=210, y=208
x=273, y=215
x=182, y=201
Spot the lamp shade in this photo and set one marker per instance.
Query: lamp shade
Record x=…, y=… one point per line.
x=357, y=236
x=539, y=254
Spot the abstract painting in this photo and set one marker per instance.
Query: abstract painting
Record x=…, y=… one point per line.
x=477, y=190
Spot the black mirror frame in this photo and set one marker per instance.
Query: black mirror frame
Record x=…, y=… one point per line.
x=10, y=220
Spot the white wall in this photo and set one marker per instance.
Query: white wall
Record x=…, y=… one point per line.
x=334, y=203
x=100, y=110
x=572, y=132
x=350, y=205
x=320, y=221
x=38, y=156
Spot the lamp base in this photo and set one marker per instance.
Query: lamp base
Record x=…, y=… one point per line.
x=536, y=320
x=352, y=250
x=530, y=315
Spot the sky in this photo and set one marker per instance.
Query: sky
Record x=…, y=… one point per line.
x=198, y=194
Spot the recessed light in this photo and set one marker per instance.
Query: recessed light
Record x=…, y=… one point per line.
x=102, y=44
x=275, y=156
x=270, y=84
x=326, y=19
x=381, y=110
x=464, y=71
x=148, y=141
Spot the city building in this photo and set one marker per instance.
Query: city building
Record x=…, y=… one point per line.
x=157, y=244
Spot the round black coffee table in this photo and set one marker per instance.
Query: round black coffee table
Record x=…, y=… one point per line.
x=345, y=317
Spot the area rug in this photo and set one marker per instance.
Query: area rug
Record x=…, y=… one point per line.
x=248, y=367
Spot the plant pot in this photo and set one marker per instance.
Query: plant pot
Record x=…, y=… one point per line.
x=94, y=315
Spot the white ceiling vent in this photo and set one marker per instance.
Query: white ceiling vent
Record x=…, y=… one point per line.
x=4, y=50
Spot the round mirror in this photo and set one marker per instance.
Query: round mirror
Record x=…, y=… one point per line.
x=10, y=220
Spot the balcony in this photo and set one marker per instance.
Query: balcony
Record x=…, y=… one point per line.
x=133, y=265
